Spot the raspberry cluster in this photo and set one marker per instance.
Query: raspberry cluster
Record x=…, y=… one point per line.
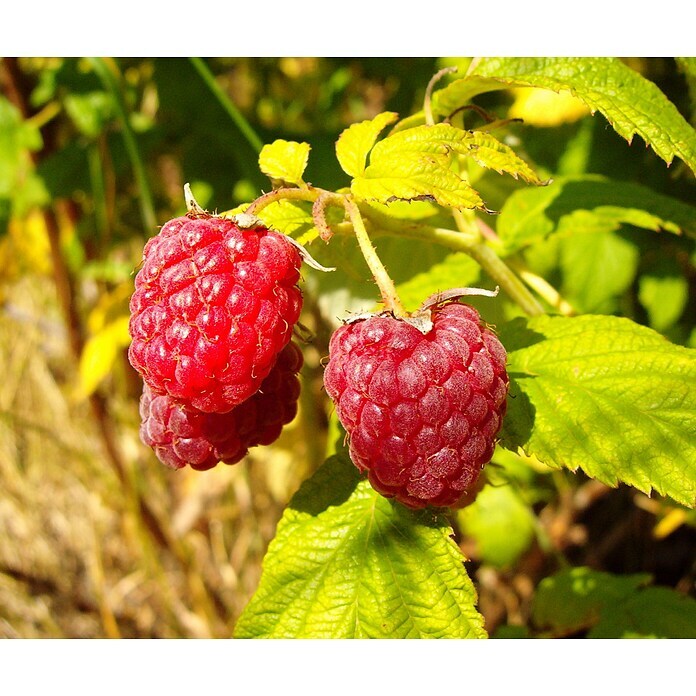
x=212, y=315
x=421, y=410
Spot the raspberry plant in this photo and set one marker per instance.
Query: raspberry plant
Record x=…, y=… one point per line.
x=493, y=296
x=589, y=392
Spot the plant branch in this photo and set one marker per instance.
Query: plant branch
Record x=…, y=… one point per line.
x=309, y=194
x=427, y=102
x=232, y=111
x=470, y=243
x=379, y=272
x=543, y=288
x=147, y=208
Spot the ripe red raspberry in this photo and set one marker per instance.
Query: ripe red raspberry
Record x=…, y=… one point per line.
x=213, y=306
x=182, y=435
x=421, y=410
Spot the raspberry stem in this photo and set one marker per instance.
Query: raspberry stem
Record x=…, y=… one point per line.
x=390, y=298
x=470, y=242
x=321, y=198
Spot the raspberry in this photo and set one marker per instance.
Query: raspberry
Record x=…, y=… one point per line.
x=213, y=306
x=182, y=435
x=421, y=410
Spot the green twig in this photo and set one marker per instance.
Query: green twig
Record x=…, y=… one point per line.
x=232, y=111
x=470, y=243
x=427, y=102
x=379, y=272
x=147, y=208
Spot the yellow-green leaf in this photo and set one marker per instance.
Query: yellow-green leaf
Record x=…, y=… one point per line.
x=417, y=163
x=489, y=152
x=284, y=160
x=606, y=395
x=415, y=178
x=632, y=104
x=348, y=563
x=355, y=143
x=100, y=353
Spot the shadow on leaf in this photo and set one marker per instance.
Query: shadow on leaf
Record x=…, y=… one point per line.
x=332, y=484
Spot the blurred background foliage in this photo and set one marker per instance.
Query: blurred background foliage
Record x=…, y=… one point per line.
x=98, y=538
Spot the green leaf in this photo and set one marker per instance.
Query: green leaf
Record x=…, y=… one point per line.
x=605, y=395
x=631, y=103
x=455, y=271
x=664, y=292
x=284, y=161
x=348, y=563
x=572, y=600
x=612, y=606
x=575, y=205
x=597, y=268
x=489, y=152
x=18, y=180
x=90, y=112
x=414, y=177
x=292, y=218
x=417, y=163
x=355, y=143
x=440, y=139
x=501, y=524
x=655, y=612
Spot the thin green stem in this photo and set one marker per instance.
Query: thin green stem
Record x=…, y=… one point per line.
x=501, y=273
x=232, y=111
x=427, y=102
x=147, y=208
x=543, y=288
x=96, y=176
x=469, y=242
x=390, y=298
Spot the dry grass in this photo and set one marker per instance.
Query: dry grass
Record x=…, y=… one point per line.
x=77, y=558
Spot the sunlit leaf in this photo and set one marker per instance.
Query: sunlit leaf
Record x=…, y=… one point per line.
x=544, y=108
x=284, y=160
x=631, y=103
x=605, y=395
x=348, y=563
x=413, y=177
x=355, y=143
